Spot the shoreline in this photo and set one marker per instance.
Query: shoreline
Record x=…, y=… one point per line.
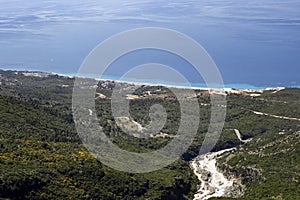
x=232, y=87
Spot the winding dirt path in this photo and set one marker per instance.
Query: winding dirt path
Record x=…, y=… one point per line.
x=275, y=116
x=239, y=136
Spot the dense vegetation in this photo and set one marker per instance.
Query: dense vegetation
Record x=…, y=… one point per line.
x=42, y=157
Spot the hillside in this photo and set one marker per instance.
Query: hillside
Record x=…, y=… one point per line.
x=42, y=157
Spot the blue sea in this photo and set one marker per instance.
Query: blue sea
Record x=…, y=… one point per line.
x=255, y=44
